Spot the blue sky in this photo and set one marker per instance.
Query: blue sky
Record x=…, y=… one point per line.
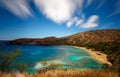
x=43, y=18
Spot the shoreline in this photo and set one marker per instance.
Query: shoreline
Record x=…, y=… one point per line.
x=99, y=56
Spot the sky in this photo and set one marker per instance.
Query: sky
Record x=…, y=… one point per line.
x=44, y=18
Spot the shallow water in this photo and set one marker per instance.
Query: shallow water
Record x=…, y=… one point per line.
x=32, y=54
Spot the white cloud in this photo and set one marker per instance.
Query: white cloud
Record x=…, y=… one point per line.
x=76, y=21
x=91, y=22
x=18, y=7
x=71, y=21
x=59, y=11
x=80, y=22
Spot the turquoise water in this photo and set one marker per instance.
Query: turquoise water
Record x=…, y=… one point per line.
x=66, y=55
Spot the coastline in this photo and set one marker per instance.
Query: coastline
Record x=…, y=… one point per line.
x=101, y=57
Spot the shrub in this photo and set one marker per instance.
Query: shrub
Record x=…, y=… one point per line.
x=6, y=59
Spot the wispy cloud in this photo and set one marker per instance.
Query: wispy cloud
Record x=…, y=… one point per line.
x=92, y=22
x=72, y=21
x=102, y=2
x=117, y=10
x=58, y=11
x=88, y=2
x=76, y=21
x=18, y=7
x=114, y=13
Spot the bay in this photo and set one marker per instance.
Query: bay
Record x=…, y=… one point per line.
x=31, y=55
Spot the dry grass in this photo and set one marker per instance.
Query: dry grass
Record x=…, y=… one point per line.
x=58, y=73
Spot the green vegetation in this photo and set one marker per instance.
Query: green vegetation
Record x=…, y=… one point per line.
x=6, y=59
x=111, y=49
x=53, y=66
x=22, y=67
x=49, y=66
x=44, y=63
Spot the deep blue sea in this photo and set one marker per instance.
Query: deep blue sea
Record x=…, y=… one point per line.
x=68, y=55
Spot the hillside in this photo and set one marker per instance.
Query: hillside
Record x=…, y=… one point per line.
x=95, y=36
x=92, y=37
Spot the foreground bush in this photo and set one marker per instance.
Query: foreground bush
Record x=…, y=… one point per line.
x=7, y=58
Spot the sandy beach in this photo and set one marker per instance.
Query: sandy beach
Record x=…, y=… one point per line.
x=97, y=55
